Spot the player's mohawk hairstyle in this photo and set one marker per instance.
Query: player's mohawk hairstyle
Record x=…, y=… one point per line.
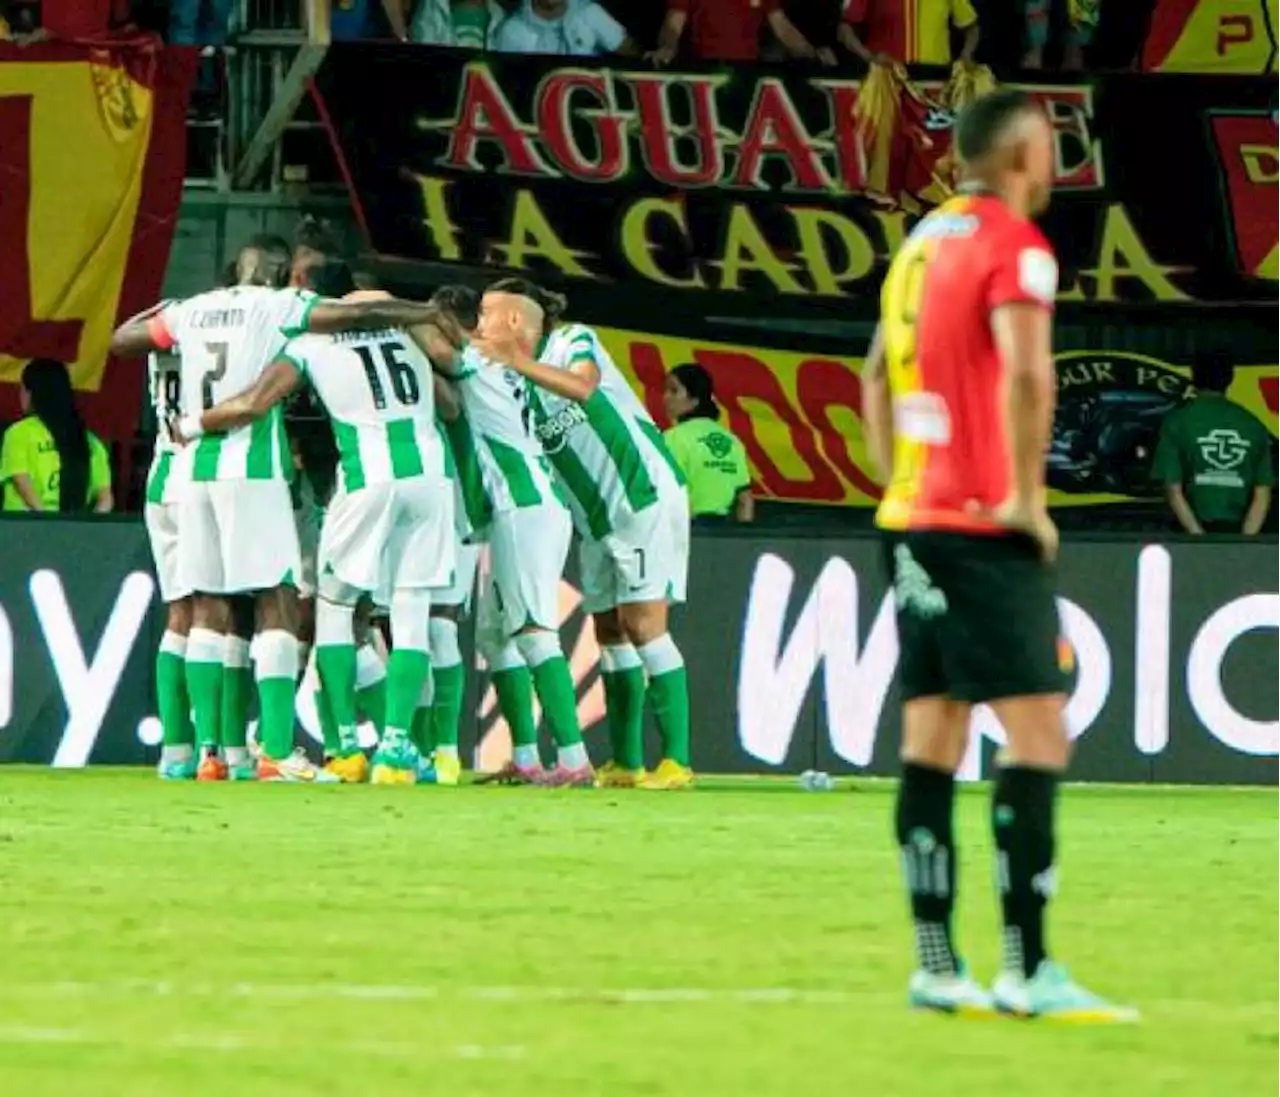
x=983, y=122
x=552, y=304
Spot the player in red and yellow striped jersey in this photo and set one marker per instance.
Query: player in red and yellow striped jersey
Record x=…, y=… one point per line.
x=959, y=394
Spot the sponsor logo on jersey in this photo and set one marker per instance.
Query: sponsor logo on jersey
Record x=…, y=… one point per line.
x=554, y=430
x=1223, y=449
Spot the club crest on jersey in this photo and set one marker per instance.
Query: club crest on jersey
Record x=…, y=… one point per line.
x=554, y=430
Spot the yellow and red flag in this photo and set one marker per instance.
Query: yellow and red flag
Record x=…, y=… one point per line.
x=92, y=157
x=1211, y=36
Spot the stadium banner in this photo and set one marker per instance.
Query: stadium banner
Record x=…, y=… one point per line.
x=1216, y=36
x=753, y=181
x=799, y=415
x=92, y=157
x=790, y=644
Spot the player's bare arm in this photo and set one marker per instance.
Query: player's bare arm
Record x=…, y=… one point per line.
x=1023, y=334
x=139, y=335
x=328, y=317
x=877, y=409
x=277, y=381
x=576, y=382
x=448, y=402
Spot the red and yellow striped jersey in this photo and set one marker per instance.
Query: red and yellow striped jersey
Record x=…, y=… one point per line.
x=951, y=454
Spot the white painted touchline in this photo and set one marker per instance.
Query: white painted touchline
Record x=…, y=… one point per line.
x=373, y=992
x=194, y=1041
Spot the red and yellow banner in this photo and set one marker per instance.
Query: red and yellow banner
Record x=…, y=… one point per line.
x=1249, y=152
x=92, y=155
x=1236, y=36
x=799, y=417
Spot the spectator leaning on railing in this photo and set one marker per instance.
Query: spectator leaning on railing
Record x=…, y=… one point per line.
x=569, y=28
x=729, y=30
x=48, y=460
x=1214, y=458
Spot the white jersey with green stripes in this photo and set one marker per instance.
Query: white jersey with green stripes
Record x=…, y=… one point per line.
x=495, y=404
x=169, y=470
x=225, y=339
x=377, y=389
x=608, y=451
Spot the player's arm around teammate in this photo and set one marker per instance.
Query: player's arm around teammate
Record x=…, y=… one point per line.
x=638, y=563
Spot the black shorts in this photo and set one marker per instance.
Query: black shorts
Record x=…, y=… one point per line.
x=977, y=617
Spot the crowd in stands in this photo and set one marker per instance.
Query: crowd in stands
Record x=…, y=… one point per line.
x=1066, y=34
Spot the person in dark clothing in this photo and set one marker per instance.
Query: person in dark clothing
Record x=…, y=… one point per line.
x=1214, y=458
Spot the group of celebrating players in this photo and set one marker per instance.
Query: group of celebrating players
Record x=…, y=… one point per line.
x=471, y=419
x=481, y=418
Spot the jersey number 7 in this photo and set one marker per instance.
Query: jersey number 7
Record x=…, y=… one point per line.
x=404, y=382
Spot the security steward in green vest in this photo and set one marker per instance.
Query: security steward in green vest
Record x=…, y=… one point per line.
x=711, y=457
x=1214, y=458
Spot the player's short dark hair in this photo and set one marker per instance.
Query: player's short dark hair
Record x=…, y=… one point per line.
x=983, y=122
x=552, y=304
x=1212, y=371
x=274, y=257
x=461, y=302
x=331, y=278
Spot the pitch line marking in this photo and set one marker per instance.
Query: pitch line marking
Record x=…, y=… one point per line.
x=532, y=995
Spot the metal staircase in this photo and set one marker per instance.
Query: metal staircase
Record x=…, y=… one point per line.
x=253, y=126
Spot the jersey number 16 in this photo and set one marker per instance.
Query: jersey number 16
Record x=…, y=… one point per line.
x=404, y=382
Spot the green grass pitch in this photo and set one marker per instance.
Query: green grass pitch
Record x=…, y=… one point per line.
x=746, y=938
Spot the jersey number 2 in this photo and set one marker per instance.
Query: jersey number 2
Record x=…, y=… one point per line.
x=218, y=352
x=404, y=382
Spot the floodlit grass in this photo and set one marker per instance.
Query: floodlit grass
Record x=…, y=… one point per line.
x=747, y=938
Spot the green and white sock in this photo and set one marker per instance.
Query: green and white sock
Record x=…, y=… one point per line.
x=513, y=684
x=449, y=682
x=553, y=684
x=237, y=689
x=421, y=733
x=669, y=695
x=204, y=684
x=622, y=673
x=371, y=686
x=407, y=670
x=276, y=666
x=171, y=696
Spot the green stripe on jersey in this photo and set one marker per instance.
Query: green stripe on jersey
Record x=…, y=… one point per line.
x=612, y=431
x=514, y=467
x=159, y=477
x=259, y=461
x=583, y=487
x=208, y=453
x=348, y=440
x=402, y=442
x=475, y=500
x=654, y=435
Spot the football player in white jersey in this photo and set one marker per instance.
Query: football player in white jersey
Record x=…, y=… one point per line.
x=236, y=533
x=631, y=507
x=437, y=723
x=389, y=525
x=529, y=531
x=164, y=483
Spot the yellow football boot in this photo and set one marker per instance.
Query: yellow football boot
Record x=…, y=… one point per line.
x=668, y=777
